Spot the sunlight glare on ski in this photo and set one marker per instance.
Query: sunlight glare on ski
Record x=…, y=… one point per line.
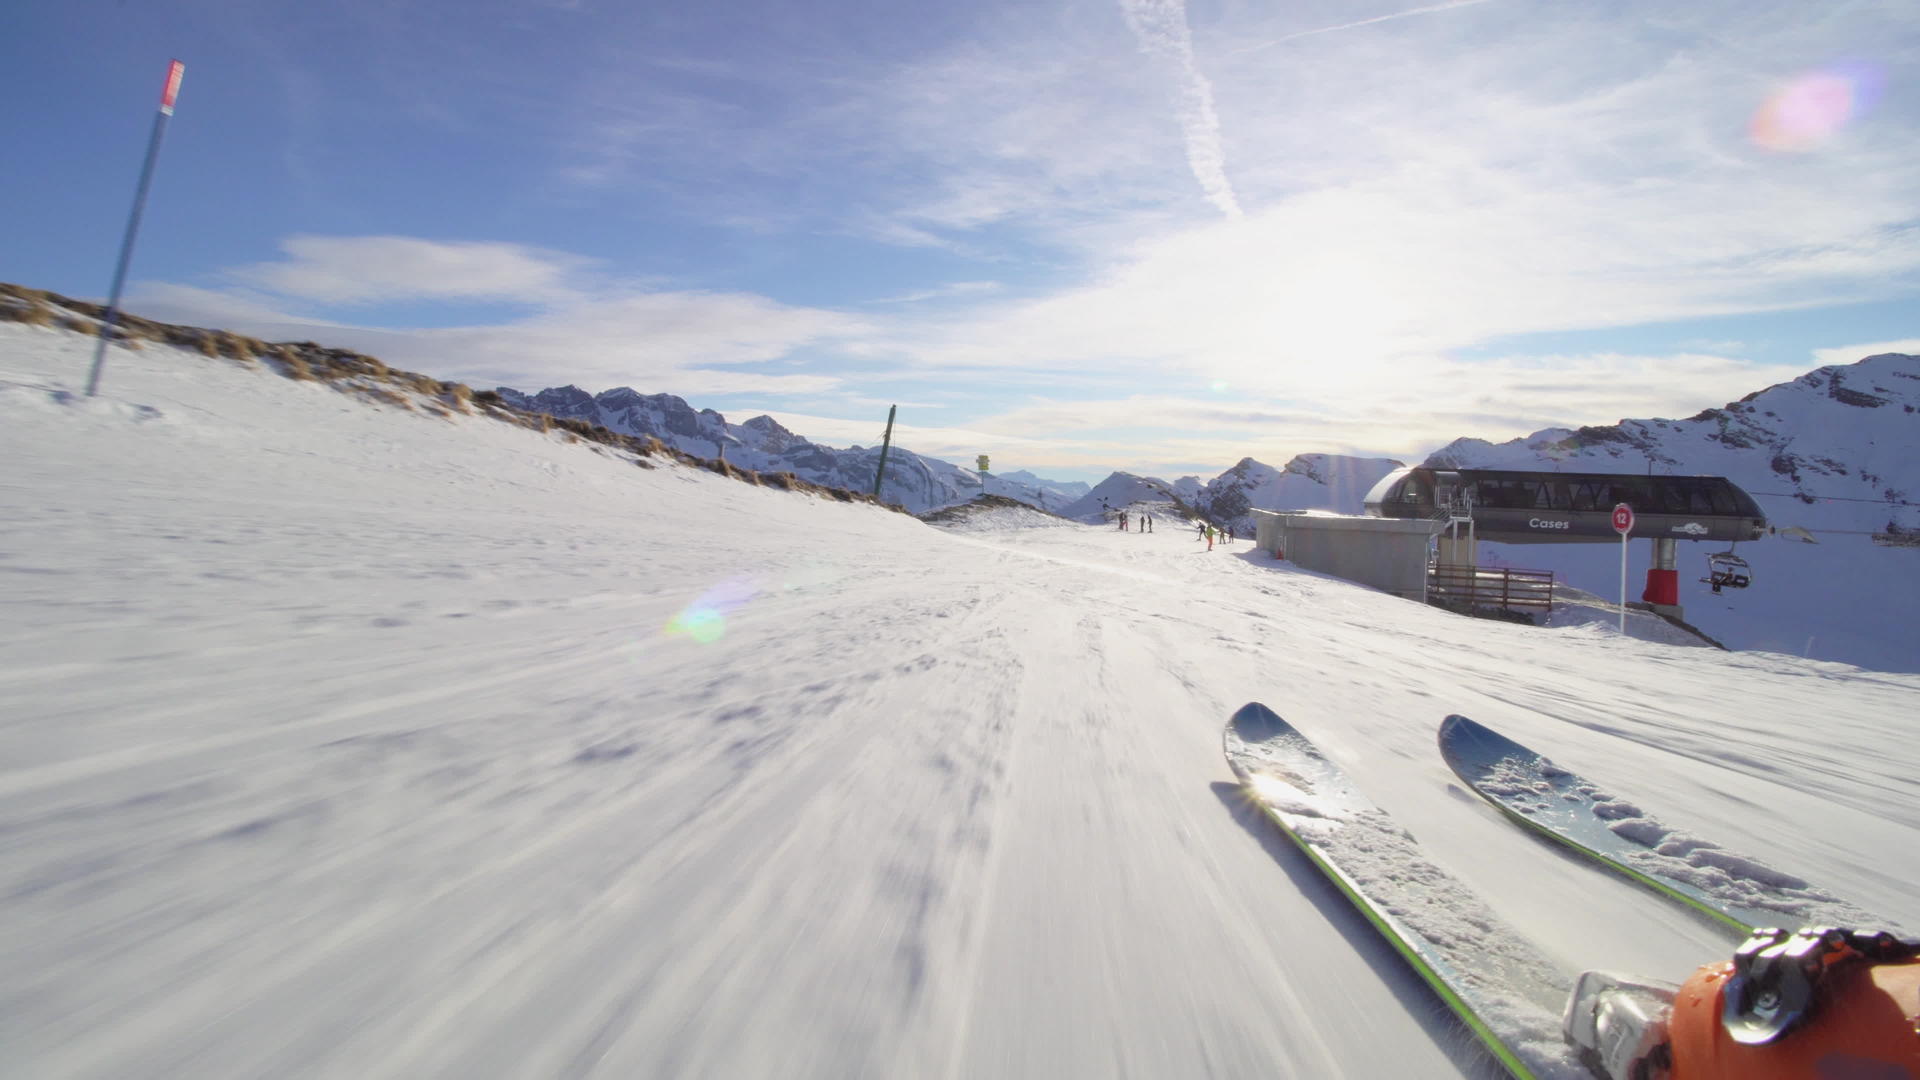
x=1284, y=797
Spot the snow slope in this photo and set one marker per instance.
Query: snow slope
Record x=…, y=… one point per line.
x=345, y=740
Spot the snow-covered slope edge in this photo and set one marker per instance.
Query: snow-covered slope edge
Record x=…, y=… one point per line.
x=369, y=380
x=760, y=445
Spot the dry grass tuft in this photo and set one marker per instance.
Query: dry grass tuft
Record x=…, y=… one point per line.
x=381, y=395
x=292, y=364
x=24, y=305
x=37, y=314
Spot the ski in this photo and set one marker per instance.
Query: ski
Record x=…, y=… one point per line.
x=1740, y=893
x=1491, y=977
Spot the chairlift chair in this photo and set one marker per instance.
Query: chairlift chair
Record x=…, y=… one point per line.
x=1725, y=569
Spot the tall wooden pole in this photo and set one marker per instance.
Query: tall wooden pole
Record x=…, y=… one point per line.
x=885, y=442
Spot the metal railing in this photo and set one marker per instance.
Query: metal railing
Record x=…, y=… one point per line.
x=1490, y=587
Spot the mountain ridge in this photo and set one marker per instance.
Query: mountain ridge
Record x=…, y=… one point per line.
x=920, y=484
x=1845, y=437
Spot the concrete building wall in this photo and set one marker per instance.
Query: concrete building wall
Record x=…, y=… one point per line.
x=1389, y=554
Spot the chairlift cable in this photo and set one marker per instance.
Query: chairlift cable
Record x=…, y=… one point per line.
x=1833, y=498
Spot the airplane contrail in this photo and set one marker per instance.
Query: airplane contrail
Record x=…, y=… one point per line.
x=1161, y=27
x=1363, y=22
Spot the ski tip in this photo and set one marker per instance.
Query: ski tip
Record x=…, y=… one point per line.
x=1454, y=728
x=1469, y=746
x=1254, y=722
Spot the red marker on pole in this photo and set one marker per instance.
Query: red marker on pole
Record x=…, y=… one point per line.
x=168, y=93
x=175, y=70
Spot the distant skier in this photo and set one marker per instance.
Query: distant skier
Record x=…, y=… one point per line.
x=1209, y=529
x=1123, y=521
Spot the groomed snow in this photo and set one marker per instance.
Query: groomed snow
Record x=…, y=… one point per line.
x=341, y=740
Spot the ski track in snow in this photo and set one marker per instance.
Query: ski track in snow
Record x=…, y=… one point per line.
x=341, y=740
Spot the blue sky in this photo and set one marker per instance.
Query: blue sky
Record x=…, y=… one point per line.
x=1139, y=234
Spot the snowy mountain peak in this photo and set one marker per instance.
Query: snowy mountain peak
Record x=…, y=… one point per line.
x=1117, y=492
x=1308, y=482
x=1328, y=468
x=567, y=397
x=767, y=425
x=766, y=434
x=1860, y=384
x=1846, y=432
x=1073, y=488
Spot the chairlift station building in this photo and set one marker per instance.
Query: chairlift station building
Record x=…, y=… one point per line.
x=1415, y=517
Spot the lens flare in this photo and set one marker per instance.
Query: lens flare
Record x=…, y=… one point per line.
x=705, y=619
x=1220, y=386
x=1814, y=107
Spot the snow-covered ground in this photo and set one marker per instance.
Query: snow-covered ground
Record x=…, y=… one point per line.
x=1843, y=597
x=341, y=740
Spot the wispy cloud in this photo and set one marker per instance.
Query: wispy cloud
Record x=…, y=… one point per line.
x=362, y=269
x=1405, y=416
x=584, y=327
x=1356, y=24
x=948, y=443
x=1849, y=354
x=943, y=292
x=1395, y=225
x=1161, y=26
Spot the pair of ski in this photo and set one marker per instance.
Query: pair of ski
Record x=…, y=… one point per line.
x=1491, y=977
